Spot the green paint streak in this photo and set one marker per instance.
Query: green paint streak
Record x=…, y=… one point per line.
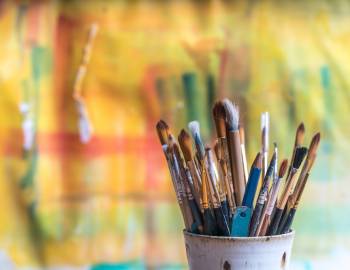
x=191, y=94
x=119, y=266
x=28, y=179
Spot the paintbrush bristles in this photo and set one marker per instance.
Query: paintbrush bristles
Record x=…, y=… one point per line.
x=186, y=145
x=194, y=128
x=219, y=119
x=231, y=114
x=314, y=144
x=283, y=168
x=300, y=134
x=163, y=131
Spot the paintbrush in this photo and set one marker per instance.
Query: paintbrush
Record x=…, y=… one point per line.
x=244, y=156
x=194, y=128
x=187, y=183
x=221, y=214
x=300, y=153
x=265, y=130
x=186, y=148
x=274, y=177
x=232, y=131
x=299, y=138
x=271, y=201
x=222, y=152
x=210, y=227
x=178, y=185
x=254, y=223
x=294, y=199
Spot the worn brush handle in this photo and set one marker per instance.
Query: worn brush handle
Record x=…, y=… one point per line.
x=275, y=221
x=289, y=220
x=254, y=223
x=210, y=227
x=284, y=218
x=197, y=217
x=221, y=222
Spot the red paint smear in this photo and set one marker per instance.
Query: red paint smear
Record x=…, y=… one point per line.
x=51, y=144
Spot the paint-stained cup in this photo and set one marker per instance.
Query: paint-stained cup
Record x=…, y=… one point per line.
x=238, y=253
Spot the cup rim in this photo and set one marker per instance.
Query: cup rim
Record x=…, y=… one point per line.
x=240, y=238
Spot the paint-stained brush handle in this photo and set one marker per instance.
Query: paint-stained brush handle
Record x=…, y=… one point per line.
x=275, y=222
x=289, y=221
x=254, y=223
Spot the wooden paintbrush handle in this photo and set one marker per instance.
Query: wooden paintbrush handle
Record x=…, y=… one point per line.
x=237, y=166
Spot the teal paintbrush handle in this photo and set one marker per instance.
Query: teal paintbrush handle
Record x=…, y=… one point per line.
x=241, y=221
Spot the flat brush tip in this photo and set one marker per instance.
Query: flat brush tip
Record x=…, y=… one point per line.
x=219, y=118
x=219, y=110
x=185, y=145
x=161, y=124
x=231, y=114
x=163, y=131
x=283, y=168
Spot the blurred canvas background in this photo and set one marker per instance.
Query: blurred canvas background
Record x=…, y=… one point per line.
x=109, y=203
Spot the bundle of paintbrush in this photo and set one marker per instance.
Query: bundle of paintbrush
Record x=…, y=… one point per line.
x=215, y=192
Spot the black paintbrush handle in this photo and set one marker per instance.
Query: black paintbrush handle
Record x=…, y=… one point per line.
x=209, y=223
x=254, y=223
x=275, y=221
x=221, y=222
x=283, y=220
x=225, y=210
x=197, y=227
x=289, y=221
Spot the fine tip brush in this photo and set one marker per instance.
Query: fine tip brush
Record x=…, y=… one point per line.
x=265, y=131
x=186, y=148
x=221, y=151
x=290, y=181
x=218, y=202
x=178, y=184
x=294, y=199
x=237, y=170
x=244, y=156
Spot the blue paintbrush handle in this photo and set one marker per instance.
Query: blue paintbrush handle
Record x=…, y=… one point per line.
x=252, y=185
